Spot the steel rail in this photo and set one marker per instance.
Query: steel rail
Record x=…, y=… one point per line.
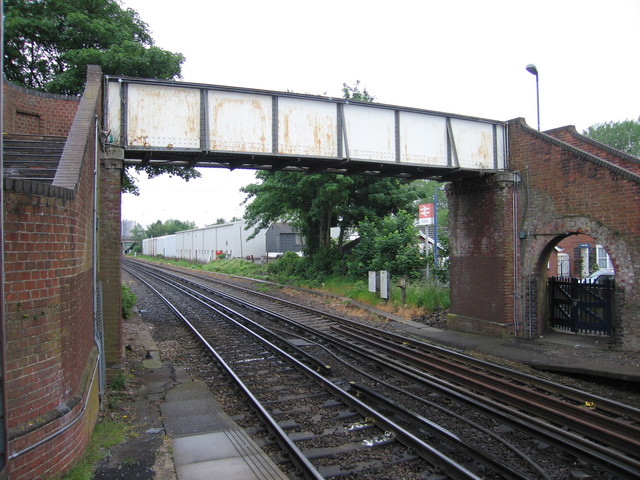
x=301, y=462
x=620, y=435
x=580, y=396
x=420, y=422
x=452, y=468
x=610, y=460
x=605, y=458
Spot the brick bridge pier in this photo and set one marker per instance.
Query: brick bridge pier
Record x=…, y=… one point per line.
x=504, y=227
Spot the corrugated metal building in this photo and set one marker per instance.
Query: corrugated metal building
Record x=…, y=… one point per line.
x=229, y=239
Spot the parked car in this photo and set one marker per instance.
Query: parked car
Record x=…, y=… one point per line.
x=600, y=276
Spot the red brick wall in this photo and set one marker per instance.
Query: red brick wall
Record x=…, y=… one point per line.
x=497, y=281
x=110, y=253
x=49, y=323
x=572, y=191
x=481, y=261
x=36, y=113
x=572, y=137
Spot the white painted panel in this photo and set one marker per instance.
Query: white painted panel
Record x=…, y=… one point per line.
x=307, y=127
x=474, y=143
x=166, y=117
x=113, y=112
x=423, y=139
x=239, y=122
x=370, y=133
x=502, y=151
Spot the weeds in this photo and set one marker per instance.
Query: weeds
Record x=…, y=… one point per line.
x=105, y=435
x=129, y=300
x=420, y=295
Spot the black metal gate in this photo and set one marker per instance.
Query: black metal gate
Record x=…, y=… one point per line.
x=581, y=307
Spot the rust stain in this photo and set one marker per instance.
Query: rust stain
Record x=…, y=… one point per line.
x=141, y=140
x=486, y=146
x=286, y=147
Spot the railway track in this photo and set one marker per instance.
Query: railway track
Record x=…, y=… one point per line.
x=492, y=422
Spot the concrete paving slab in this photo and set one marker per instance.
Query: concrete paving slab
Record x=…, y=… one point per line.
x=207, y=443
x=236, y=468
x=189, y=417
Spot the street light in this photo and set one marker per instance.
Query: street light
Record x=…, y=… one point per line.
x=531, y=68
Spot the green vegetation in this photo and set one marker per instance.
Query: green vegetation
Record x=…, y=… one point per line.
x=236, y=266
x=106, y=435
x=49, y=44
x=291, y=269
x=623, y=136
x=128, y=300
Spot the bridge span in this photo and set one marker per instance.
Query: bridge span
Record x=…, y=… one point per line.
x=190, y=124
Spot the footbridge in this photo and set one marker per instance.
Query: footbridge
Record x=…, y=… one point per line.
x=190, y=124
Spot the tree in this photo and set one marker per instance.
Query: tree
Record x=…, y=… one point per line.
x=314, y=203
x=168, y=227
x=354, y=93
x=390, y=244
x=623, y=136
x=49, y=43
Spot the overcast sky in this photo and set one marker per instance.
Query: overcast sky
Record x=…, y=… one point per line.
x=465, y=57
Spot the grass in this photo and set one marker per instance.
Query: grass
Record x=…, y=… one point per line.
x=426, y=296
x=106, y=434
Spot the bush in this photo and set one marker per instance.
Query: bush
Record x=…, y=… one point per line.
x=129, y=300
x=289, y=265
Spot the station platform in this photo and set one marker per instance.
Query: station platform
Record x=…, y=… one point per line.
x=586, y=355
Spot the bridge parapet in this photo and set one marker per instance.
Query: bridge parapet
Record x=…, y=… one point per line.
x=208, y=125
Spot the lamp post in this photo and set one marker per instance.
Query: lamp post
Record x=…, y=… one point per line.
x=531, y=68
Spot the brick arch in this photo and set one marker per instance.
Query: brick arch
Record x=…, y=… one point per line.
x=502, y=227
x=540, y=249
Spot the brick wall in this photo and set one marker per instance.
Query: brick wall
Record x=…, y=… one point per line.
x=37, y=113
x=51, y=377
x=503, y=233
x=572, y=191
x=109, y=237
x=572, y=137
x=481, y=259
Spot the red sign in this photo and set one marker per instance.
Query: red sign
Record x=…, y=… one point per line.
x=425, y=214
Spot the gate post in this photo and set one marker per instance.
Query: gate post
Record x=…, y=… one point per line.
x=111, y=168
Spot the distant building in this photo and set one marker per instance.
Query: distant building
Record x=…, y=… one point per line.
x=228, y=240
x=127, y=228
x=577, y=256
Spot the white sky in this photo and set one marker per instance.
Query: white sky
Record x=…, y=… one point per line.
x=465, y=57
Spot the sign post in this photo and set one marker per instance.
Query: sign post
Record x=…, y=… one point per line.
x=425, y=218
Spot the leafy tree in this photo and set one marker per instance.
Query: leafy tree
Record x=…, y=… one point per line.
x=49, y=43
x=623, y=136
x=168, y=227
x=129, y=185
x=314, y=203
x=390, y=244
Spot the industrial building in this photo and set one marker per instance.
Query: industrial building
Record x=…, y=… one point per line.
x=229, y=240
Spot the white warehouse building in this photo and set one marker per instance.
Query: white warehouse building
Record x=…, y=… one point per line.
x=229, y=239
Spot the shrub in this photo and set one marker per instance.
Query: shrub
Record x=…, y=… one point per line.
x=289, y=265
x=129, y=300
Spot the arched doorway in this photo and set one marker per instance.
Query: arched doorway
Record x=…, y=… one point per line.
x=577, y=278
